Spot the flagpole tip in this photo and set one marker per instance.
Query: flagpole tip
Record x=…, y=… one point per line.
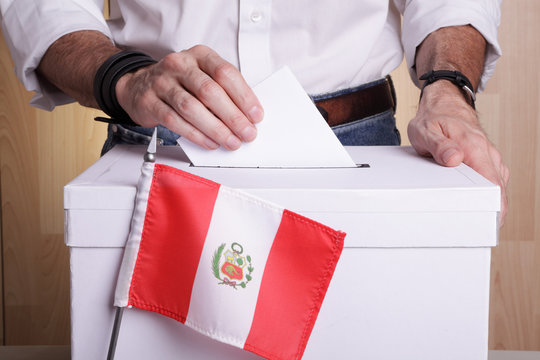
x=150, y=155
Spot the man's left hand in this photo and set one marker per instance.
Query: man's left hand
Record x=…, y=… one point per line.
x=447, y=128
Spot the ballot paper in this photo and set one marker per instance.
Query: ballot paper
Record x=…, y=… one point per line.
x=292, y=134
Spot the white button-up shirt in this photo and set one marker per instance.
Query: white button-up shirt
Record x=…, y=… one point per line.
x=329, y=45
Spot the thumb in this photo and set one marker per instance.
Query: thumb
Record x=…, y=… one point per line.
x=444, y=150
x=448, y=154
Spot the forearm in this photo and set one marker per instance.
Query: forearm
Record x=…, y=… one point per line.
x=72, y=61
x=460, y=48
x=195, y=93
x=446, y=126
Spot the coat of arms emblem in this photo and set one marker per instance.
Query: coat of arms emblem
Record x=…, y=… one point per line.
x=231, y=267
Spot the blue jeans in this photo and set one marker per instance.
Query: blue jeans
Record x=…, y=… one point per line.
x=379, y=129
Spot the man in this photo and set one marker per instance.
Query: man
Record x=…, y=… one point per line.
x=210, y=52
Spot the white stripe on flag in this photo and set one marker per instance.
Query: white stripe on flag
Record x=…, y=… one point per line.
x=219, y=310
x=134, y=239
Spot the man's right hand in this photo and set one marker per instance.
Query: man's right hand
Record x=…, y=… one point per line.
x=196, y=94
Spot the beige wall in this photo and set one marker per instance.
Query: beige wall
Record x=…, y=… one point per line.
x=40, y=152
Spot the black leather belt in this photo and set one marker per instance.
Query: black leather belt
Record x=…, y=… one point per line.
x=360, y=104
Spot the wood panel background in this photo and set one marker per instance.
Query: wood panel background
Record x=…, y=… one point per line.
x=41, y=151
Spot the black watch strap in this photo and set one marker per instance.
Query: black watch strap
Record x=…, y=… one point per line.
x=455, y=77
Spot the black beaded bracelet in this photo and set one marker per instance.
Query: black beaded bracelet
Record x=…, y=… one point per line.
x=455, y=77
x=108, y=75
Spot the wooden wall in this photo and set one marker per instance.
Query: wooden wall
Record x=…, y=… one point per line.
x=509, y=111
x=41, y=151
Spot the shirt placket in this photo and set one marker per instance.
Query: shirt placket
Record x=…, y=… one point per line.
x=254, y=40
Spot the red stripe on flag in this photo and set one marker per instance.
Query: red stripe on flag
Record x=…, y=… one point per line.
x=178, y=215
x=297, y=274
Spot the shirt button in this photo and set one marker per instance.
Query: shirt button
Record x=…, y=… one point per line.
x=256, y=16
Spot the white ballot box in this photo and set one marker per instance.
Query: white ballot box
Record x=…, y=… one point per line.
x=412, y=281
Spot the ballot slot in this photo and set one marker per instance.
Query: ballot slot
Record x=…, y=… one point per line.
x=307, y=142
x=358, y=166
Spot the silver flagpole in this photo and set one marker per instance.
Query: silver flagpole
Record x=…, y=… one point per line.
x=148, y=157
x=115, y=331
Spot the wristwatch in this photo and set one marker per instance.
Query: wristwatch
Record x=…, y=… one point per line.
x=457, y=78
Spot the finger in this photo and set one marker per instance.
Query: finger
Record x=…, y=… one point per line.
x=479, y=158
x=504, y=209
x=214, y=97
x=505, y=174
x=445, y=151
x=164, y=114
x=504, y=206
x=482, y=156
x=198, y=116
x=234, y=84
x=486, y=160
x=503, y=169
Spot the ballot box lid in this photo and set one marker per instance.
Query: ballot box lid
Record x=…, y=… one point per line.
x=389, y=180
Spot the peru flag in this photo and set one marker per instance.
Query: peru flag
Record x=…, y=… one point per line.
x=225, y=263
